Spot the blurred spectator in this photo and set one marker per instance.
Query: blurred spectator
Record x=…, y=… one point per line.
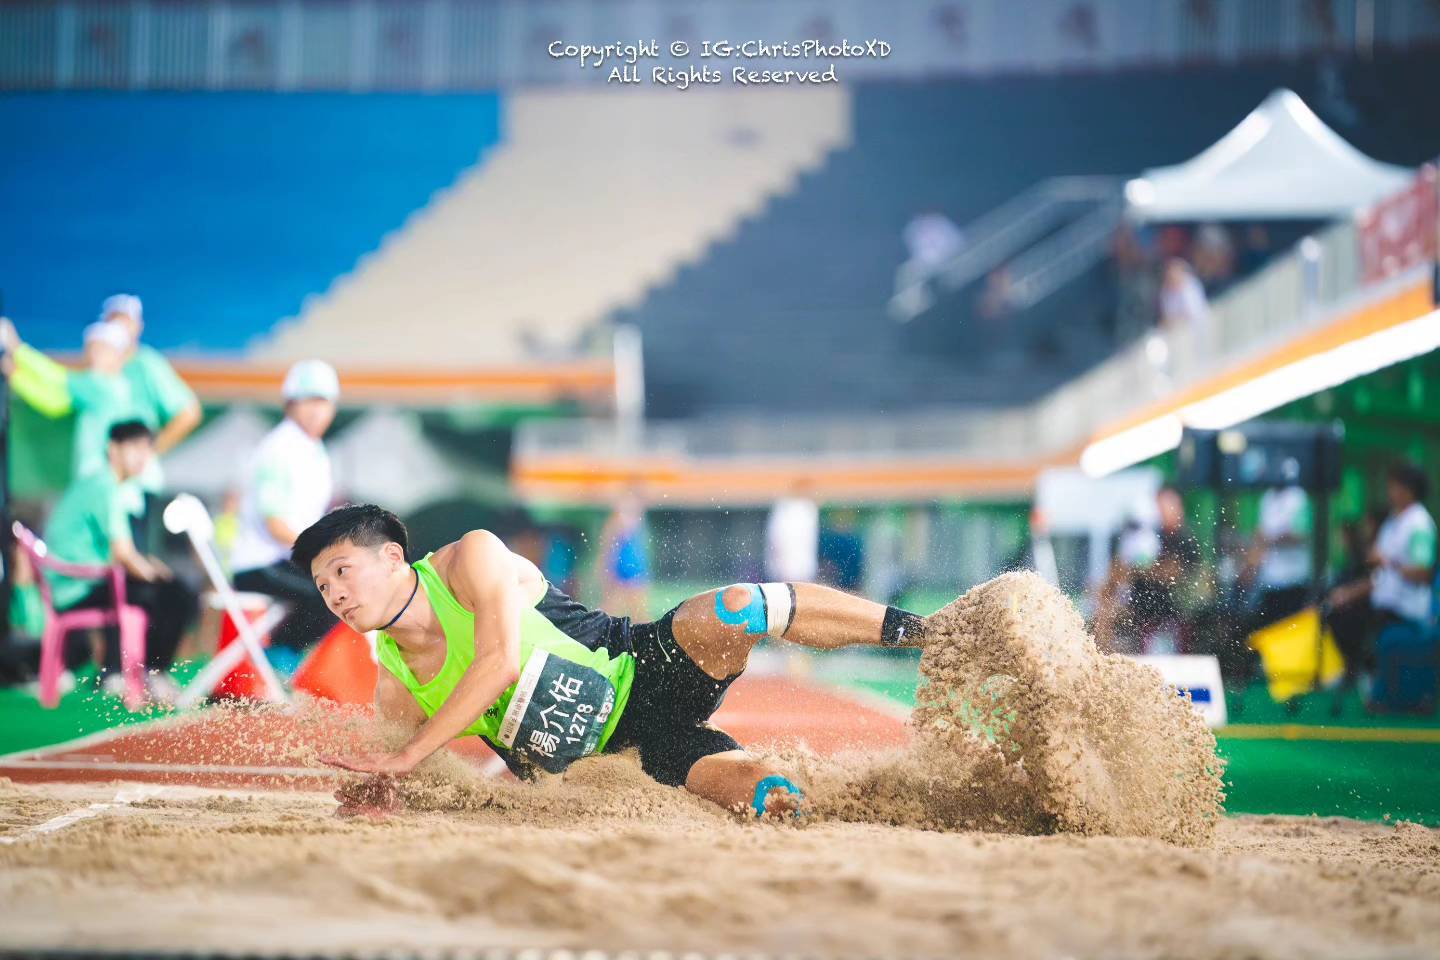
x=159, y=398
x=995, y=298
x=27, y=609
x=90, y=525
x=1183, y=305
x=1184, y=316
x=560, y=561
x=287, y=487
x=1157, y=586
x=792, y=539
x=1137, y=282
x=931, y=240
x=1214, y=255
x=1400, y=589
x=625, y=560
x=842, y=552
x=99, y=396
x=1279, y=558
x=1351, y=622
x=1173, y=241
x=1182, y=588
x=227, y=530
x=1256, y=250
x=1119, y=627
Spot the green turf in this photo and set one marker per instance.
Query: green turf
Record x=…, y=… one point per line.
x=1371, y=781
x=25, y=725
x=1367, y=780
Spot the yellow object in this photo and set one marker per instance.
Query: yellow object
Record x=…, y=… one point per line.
x=1288, y=650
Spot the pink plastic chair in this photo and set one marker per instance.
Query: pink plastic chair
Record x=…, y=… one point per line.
x=131, y=621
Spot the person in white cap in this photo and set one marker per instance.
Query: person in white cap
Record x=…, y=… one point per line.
x=99, y=395
x=287, y=487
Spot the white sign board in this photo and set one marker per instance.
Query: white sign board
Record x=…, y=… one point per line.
x=1198, y=675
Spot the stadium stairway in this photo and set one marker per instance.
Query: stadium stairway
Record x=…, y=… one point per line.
x=594, y=198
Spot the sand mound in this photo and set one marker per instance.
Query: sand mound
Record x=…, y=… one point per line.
x=1017, y=695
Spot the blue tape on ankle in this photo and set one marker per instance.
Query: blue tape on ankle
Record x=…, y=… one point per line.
x=763, y=788
x=752, y=615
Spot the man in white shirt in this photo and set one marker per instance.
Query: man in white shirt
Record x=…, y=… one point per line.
x=287, y=488
x=792, y=539
x=1400, y=588
x=1281, y=553
x=1401, y=594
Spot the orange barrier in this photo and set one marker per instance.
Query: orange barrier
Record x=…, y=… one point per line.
x=342, y=668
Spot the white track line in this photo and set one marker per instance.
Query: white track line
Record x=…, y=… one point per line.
x=124, y=798
x=109, y=766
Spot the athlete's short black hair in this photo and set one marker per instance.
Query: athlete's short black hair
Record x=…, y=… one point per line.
x=364, y=525
x=1411, y=477
x=127, y=430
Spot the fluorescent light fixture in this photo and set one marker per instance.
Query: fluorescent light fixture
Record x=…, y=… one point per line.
x=1132, y=445
x=1313, y=374
x=1265, y=393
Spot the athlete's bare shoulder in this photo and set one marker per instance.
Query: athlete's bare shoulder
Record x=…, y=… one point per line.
x=480, y=553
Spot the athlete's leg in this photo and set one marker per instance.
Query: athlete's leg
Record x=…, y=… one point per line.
x=717, y=629
x=731, y=779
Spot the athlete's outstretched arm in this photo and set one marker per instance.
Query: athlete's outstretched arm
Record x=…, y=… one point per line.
x=482, y=577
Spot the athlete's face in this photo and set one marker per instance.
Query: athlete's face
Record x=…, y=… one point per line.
x=359, y=584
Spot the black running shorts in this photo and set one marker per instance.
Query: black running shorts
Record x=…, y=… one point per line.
x=667, y=718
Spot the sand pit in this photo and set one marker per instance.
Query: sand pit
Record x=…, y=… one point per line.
x=622, y=864
x=1053, y=802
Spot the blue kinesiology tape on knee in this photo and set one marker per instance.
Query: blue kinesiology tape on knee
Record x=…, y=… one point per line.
x=752, y=615
x=763, y=788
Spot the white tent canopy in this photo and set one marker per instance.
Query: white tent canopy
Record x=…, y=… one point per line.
x=384, y=458
x=1281, y=163
x=212, y=462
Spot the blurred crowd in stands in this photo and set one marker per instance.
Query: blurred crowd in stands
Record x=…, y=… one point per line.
x=1166, y=275
x=1162, y=595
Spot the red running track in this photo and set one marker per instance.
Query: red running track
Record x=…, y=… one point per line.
x=265, y=750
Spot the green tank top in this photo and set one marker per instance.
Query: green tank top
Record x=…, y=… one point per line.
x=565, y=704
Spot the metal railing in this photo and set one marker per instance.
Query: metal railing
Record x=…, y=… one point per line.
x=1303, y=290
x=1001, y=234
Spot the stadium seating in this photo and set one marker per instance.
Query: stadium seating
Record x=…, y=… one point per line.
x=806, y=283
x=595, y=197
x=165, y=194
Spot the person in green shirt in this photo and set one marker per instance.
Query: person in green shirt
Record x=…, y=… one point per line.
x=163, y=401
x=159, y=397
x=91, y=525
x=472, y=640
x=99, y=395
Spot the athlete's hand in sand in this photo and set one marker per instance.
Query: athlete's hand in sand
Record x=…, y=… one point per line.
x=373, y=797
x=387, y=764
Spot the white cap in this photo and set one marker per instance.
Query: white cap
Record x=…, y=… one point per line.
x=123, y=303
x=311, y=378
x=111, y=334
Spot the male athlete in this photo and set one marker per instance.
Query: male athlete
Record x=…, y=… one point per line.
x=473, y=641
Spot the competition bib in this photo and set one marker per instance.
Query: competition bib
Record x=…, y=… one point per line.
x=557, y=713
